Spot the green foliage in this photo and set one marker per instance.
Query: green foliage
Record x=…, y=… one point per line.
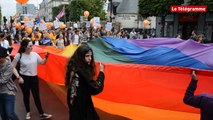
x=208, y=3
x=156, y=7
x=162, y=7
x=77, y=7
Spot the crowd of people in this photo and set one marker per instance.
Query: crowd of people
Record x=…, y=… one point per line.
x=60, y=38
x=80, y=73
x=201, y=38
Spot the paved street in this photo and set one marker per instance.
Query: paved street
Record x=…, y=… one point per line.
x=50, y=102
x=53, y=99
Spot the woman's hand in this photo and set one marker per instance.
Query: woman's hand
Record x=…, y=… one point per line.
x=101, y=67
x=20, y=80
x=47, y=54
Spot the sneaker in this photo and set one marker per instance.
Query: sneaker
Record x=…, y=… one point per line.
x=27, y=117
x=45, y=116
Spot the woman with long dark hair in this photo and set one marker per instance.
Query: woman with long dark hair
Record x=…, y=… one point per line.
x=10, y=39
x=81, y=85
x=29, y=61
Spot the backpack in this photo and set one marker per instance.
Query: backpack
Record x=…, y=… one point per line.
x=17, y=68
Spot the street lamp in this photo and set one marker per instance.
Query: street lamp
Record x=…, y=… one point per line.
x=111, y=8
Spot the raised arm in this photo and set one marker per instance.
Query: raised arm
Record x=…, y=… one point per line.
x=190, y=98
x=95, y=86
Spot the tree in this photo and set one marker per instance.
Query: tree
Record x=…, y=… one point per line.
x=156, y=7
x=208, y=3
x=77, y=7
x=159, y=8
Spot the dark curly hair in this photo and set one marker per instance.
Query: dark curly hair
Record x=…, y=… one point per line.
x=24, y=44
x=77, y=61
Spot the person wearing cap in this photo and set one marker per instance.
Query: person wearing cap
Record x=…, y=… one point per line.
x=202, y=101
x=8, y=88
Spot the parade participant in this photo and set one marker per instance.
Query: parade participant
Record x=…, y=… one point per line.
x=80, y=84
x=3, y=42
x=29, y=61
x=8, y=88
x=60, y=42
x=46, y=40
x=202, y=101
x=76, y=38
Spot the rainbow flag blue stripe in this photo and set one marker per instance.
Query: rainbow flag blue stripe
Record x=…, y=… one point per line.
x=155, y=51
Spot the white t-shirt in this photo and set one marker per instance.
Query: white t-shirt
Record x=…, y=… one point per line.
x=60, y=44
x=28, y=63
x=76, y=40
x=36, y=42
x=5, y=44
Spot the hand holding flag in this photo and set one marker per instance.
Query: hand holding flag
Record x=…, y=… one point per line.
x=61, y=14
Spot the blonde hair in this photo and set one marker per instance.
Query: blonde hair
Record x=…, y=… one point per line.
x=46, y=34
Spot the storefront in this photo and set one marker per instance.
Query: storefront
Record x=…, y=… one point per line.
x=184, y=24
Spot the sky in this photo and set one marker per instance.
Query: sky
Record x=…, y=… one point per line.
x=9, y=6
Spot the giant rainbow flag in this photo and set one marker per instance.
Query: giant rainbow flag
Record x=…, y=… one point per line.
x=156, y=51
x=145, y=79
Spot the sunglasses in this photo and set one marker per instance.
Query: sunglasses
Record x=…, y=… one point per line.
x=29, y=46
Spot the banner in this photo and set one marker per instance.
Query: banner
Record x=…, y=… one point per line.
x=29, y=24
x=108, y=26
x=96, y=22
x=56, y=24
x=61, y=14
x=16, y=15
x=42, y=26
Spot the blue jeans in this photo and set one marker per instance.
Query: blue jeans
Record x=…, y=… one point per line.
x=7, y=105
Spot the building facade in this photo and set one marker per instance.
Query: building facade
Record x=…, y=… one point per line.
x=125, y=12
x=26, y=9
x=184, y=24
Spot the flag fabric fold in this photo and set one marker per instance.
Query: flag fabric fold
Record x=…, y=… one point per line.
x=16, y=15
x=61, y=13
